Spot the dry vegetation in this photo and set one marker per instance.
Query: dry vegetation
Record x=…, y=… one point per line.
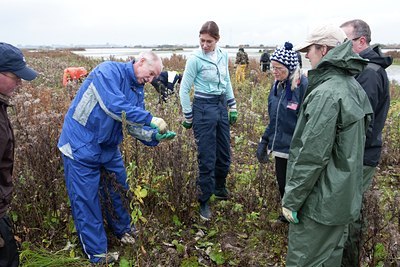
x=243, y=231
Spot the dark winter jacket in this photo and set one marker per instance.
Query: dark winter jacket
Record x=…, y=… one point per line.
x=265, y=58
x=375, y=82
x=168, y=79
x=283, y=111
x=6, y=157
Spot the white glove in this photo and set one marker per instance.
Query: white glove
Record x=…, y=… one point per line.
x=291, y=216
x=159, y=124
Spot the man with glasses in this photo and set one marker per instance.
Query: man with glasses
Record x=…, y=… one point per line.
x=375, y=82
x=12, y=69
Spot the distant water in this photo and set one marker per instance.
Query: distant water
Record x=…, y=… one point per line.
x=125, y=53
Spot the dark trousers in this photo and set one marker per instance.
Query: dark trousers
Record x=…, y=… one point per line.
x=280, y=171
x=211, y=131
x=9, y=256
x=351, y=252
x=264, y=66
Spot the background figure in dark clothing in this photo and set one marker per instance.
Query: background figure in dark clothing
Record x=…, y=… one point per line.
x=265, y=61
x=375, y=82
x=12, y=69
x=165, y=83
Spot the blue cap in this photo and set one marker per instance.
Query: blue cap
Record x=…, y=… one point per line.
x=12, y=60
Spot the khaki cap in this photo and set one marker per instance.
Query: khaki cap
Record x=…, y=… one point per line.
x=328, y=35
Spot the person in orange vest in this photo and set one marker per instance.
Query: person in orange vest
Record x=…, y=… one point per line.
x=74, y=74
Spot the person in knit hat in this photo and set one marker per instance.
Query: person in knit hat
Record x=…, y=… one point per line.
x=284, y=103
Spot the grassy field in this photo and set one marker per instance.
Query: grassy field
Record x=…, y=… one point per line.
x=243, y=231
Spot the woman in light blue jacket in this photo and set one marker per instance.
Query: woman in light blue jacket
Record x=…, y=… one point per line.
x=207, y=69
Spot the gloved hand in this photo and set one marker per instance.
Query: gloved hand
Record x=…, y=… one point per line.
x=291, y=216
x=187, y=123
x=169, y=135
x=262, y=152
x=233, y=115
x=159, y=124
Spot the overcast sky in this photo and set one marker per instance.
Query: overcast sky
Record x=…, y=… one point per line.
x=156, y=22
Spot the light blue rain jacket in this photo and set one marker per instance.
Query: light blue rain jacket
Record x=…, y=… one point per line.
x=208, y=78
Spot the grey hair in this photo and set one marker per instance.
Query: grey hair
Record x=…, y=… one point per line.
x=151, y=58
x=295, y=76
x=360, y=28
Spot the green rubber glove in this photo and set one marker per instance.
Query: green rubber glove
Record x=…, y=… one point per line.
x=291, y=216
x=169, y=135
x=233, y=115
x=187, y=124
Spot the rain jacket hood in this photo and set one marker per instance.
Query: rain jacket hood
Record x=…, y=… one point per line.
x=324, y=173
x=375, y=55
x=342, y=57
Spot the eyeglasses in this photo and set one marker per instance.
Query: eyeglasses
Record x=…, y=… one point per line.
x=355, y=39
x=11, y=76
x=278, y=69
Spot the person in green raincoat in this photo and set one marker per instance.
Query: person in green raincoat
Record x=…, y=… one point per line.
x=323, y=189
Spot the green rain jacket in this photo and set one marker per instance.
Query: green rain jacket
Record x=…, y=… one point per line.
x=324, y=172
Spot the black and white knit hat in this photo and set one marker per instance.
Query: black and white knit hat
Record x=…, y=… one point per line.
x=286, y=56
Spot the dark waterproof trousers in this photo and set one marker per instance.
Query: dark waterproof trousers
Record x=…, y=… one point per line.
x=211, y=131
x=9, y=256
x=264, y=66
x=351, y=252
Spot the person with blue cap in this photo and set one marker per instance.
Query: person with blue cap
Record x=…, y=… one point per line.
x=13, y=69
x=284, y=101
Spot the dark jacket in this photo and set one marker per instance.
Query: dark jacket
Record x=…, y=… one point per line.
x=283, y=111
x=375, y=82
x=265, y=58
x=167, y=79
x=6, y=157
